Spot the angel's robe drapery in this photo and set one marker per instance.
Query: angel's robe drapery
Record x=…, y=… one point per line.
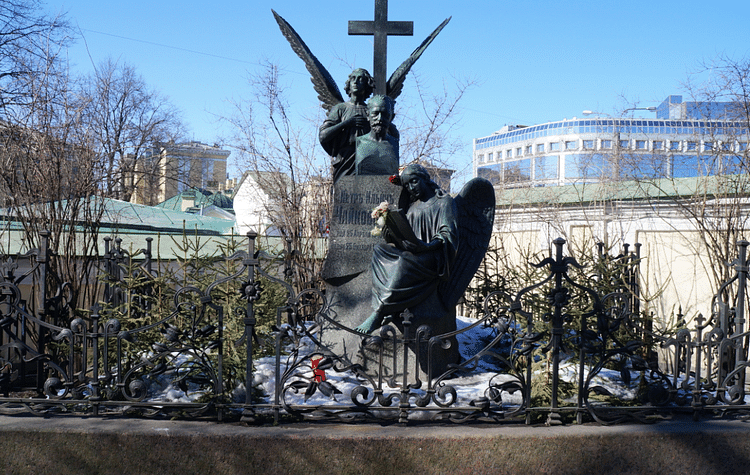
x=402, y=279
x=342, y=146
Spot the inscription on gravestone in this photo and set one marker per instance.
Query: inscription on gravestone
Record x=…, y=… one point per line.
x=347, y=267
x=350, y=240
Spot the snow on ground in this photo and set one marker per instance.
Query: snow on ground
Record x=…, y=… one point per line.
x=469, y=387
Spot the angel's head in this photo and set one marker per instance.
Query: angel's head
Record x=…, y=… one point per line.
x=359, y=83
x=416, y=180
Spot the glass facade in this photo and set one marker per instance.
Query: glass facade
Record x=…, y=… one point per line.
x=589, y=150
x=611, y=126
x=517, y=171
x=546, y=168
x=584, y=167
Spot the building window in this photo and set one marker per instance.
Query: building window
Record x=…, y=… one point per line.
x=708, y=145
x=518, y=171
x=726, y=146
x=545, y=168
x=508, y=153
x=554, y=146
x=519, y=152
x=571, y=145
x=674, y=145
x=658, y=145
x=489, y=156
x=742, y=146
x=692, y=145
x=481, y=159
x=607, y=144
x=640, y=145
x=588, y=145
x=624, y=143
x=586, y=166
x=540, y=148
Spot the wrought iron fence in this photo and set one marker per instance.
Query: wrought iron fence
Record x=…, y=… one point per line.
x=573, y=345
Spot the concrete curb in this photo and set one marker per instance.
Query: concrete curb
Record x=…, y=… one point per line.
x=73, y=444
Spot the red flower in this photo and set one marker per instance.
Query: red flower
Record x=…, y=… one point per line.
x=318, y=374
x=395, y=179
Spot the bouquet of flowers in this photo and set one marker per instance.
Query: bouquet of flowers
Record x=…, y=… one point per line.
x=379, y=214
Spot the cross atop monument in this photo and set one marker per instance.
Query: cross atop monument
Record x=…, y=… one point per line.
x=381, y=28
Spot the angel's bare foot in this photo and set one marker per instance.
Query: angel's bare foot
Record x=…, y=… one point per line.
x=373, y=322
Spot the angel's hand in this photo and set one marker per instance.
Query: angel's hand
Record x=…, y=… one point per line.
x=358, y=121
x=388, y=235
x=417, y=248
x=414, y=247
x=434, y=245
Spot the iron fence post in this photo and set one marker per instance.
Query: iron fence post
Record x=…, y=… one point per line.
x=249, y=322
x=740, y=307
x=43, y=259
x=148, y=254
x=403, y=406
x=289, y=278
x=95, y=384
x=557, y=327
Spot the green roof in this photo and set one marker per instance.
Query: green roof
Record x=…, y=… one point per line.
x=202, y=199
x=134, y=224
x=122, y=215
x=169, y=229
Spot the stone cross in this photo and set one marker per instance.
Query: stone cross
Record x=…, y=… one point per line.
x=381, y=28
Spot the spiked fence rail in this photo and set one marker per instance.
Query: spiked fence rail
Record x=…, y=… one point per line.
x=553, y=344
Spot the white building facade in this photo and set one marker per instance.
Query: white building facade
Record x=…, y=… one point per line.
x=682, y=141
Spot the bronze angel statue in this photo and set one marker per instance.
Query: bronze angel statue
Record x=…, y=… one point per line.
x=426, y=267
x=347, y=120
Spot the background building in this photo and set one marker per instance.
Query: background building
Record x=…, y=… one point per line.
x=172, y=168
x=686, y=139
x=678, y=185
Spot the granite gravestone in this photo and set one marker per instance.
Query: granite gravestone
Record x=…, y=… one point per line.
x=347, y=270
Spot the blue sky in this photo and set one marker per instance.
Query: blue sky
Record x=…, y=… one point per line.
x=535, y=61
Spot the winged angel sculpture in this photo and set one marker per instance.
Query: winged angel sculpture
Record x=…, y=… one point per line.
x=347, y=120
x=427, y=267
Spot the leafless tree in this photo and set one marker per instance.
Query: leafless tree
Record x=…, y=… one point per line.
x=718, y=204
x=126, y=120
x=63, y=141
x=287, y=164
x=426, y=120
x=47, y=179
x=26, y=39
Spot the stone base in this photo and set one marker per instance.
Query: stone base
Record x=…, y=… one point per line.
x=351, y=304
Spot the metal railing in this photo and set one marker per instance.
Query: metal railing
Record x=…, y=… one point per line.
x=573, y=345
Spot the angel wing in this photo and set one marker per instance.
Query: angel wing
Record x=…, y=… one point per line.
x=328, y=92
x=396, y=81
x=476, y=213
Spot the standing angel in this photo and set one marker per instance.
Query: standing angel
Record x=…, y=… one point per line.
x=347, y=120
